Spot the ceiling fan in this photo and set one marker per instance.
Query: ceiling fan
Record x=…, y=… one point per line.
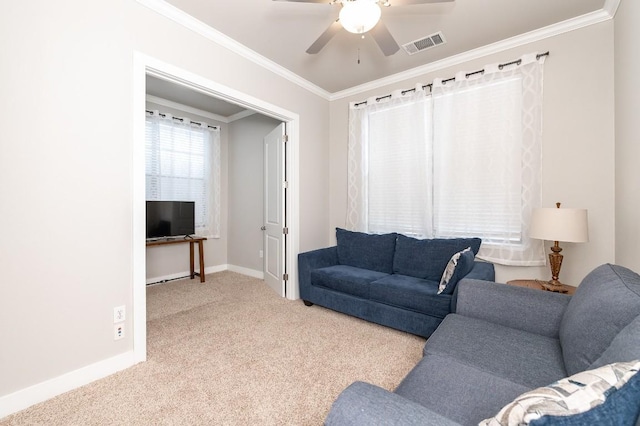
x=359, y=17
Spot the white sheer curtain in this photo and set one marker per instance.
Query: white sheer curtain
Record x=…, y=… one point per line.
x=465, y=161
x=183, y=164
x=487, y=159
x=389, y=158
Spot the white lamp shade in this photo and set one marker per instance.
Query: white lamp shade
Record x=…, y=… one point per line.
x=359, y=16
x=559, y=224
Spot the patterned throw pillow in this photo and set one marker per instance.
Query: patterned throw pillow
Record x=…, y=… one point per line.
x=459, y=265
x=574, y=399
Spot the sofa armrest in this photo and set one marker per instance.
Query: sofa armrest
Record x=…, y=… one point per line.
x=482, y=271
x=365, y=404
x=315, y=259
x=522, y=308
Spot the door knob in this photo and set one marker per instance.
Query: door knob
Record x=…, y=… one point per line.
x=263, y=228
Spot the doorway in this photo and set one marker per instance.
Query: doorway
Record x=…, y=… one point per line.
x=145, y=65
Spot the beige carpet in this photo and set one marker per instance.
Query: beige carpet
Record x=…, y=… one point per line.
x=229, y=351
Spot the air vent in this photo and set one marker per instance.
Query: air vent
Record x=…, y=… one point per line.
x=424, y=43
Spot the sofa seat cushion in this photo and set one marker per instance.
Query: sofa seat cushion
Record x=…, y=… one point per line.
x=428, y=258
x=411, y=293
x=528, y=359
x=458, y=391
x=346, y=279
x=605, y=302
x=366, y=251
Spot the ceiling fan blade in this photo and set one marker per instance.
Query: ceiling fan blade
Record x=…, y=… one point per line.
x=324, y=37
x=410, y=2
x=385, y=40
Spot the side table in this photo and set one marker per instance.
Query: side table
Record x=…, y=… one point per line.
x=537, y=284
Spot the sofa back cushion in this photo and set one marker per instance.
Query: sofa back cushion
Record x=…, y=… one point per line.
x=607, y=300
x=427, y=259
x=366, y=251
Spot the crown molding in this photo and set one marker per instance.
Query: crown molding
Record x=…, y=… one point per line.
x=540, y=34
x=611, y=7
x=186, y=108
x=171, y=12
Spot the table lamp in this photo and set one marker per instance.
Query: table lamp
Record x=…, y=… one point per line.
x=567, y=225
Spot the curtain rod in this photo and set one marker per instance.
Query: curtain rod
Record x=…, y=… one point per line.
x=430, y=85
x=182, y=119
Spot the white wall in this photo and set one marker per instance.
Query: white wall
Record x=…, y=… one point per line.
x=66, y=172
x=173, y=260
x=578, y=141
x=627, y=62
x=246, y=190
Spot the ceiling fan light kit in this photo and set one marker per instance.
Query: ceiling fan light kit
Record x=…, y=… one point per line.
x=359, y=16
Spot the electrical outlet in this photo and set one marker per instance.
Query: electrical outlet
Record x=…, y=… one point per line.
x=118, y=331
x=261, y=253
x=118, y=314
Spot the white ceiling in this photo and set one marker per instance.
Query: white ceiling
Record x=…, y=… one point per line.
x=281, y=31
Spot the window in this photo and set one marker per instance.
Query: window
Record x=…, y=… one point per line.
x=463, y=160
x=398, y=153
x=183, y=164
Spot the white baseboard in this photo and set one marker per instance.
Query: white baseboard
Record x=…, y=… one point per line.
x=246, y=271
x=183, y=274
x=210, y=270
x=40, y=392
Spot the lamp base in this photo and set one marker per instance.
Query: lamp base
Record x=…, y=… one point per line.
x=553, y=285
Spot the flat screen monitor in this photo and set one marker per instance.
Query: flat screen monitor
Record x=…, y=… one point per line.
x=170, y=218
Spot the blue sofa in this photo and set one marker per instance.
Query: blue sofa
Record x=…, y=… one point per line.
x=504, y=341
x=389, y=279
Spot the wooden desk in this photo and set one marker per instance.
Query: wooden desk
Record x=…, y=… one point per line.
x=566, y=289
x=191, y=242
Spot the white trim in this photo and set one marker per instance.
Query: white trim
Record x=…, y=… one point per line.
x=171, y=12
x=186, y=108
x=162, y=7
x=611, y=7
x=139, y=295
x=246, y=271
x=185, y=274
x=27, y=397
x=509, y=43
x=240, y=115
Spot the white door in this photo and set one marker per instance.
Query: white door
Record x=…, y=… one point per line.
x=274, y=210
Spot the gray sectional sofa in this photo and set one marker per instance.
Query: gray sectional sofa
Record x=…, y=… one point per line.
x=503, y=341
x=389, y=279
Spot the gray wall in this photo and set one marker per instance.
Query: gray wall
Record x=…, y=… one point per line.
x=246, y=189
x=627, y=87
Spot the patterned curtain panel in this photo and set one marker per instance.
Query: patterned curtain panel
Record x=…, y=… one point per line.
x=464, y=161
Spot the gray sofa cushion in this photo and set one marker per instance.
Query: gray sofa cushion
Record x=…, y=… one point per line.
x=411, y=293
x=458, y=391
x=528, y=359
x=605, y=302
x=366, y=251
x=427, y=258
x=346, y=279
